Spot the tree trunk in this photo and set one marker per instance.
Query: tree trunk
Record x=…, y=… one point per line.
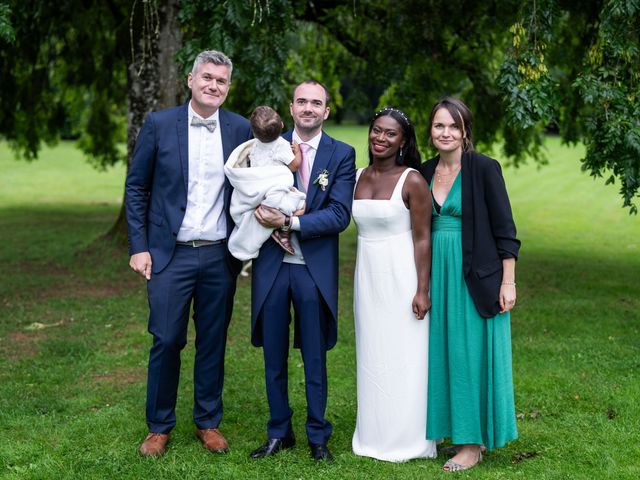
x=153, y=78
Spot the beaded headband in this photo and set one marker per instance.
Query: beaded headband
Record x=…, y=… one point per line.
x=391, y=109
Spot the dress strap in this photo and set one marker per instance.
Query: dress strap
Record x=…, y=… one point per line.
x=397, y=191
x=358, y=173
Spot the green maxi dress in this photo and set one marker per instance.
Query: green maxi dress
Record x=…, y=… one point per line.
x=470, y=389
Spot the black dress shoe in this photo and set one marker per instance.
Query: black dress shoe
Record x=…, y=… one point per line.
x=273, y=446
x=321, y=452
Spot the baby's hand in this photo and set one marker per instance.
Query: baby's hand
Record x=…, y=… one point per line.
x=295, y=163
x=301, y=210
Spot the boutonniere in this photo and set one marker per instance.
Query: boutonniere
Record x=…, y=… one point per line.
x=322, y=180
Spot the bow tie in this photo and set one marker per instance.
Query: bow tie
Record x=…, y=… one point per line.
x=209, y=124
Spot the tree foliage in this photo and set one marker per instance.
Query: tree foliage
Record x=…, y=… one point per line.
x=253, y=34
x=609, y=86
x=522, y=67
x=6, y=30
x=587, y=83
x=60, y=74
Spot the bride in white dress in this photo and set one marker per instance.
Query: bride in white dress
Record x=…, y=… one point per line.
x=392, y=211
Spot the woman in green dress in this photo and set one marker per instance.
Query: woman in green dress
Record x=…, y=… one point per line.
x=473, y=288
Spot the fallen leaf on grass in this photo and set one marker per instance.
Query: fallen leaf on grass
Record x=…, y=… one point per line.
x=520, y=456
x=41, y=326
x=532, y=414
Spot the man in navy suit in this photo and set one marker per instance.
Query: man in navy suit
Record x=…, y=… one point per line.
x=308, y=279
x=177, y=205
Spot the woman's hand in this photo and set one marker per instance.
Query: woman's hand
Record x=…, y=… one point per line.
x=507, y=296
x=508, y=286
x=421, y=305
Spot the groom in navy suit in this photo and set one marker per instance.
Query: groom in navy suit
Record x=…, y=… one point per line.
x=177, y=205
x=308, y=279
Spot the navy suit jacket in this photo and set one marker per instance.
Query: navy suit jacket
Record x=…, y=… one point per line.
x=488, y=230
x=156, y=186
x=327, y=213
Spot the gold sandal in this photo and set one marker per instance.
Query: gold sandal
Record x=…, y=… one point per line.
x=452, y=466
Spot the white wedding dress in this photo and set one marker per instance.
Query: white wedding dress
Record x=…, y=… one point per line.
x=391, y=344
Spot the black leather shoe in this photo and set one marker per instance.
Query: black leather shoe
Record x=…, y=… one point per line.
x=321, y=452
x=273, y=446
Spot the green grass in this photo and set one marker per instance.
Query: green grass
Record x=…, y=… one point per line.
x=74, y=346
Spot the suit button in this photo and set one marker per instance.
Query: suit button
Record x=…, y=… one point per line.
x=183, y=209
x=175, y=234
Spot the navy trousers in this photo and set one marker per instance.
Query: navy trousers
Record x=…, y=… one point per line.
x=294, y=284
x=201, y=275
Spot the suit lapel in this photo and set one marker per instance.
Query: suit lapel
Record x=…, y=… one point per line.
x=288, y=136
x=183, y=143
x=227, y=147
x=320, y=163
x=225, y=134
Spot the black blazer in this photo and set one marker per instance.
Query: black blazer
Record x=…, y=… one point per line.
x=488, y=230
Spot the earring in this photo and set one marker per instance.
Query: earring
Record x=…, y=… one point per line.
x=401, y=154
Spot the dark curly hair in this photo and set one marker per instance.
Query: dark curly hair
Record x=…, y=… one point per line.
x=266, y=124
x=407, y=155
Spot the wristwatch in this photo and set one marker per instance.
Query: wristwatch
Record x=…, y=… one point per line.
x=287, y=224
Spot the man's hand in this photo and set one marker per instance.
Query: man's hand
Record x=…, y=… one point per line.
x=141, y=263
x=269, y=217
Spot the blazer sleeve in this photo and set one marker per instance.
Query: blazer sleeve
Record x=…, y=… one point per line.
x=335, y=216
x=502, y=225
x=138, y=187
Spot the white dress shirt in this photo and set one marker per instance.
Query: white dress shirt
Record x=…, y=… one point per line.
x=295, y=221
x=204, y=218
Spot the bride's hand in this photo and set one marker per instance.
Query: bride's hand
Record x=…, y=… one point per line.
x=421, y=305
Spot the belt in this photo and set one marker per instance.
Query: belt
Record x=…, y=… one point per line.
x=201, y=243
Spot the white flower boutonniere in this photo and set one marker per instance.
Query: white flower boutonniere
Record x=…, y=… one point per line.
x=322, y=180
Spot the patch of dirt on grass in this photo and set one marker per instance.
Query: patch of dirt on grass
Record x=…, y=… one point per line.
x=18, y=345
x=105, y=290
x=122, y=377
x=42, y=268
x=63, y=282
x=522, y=456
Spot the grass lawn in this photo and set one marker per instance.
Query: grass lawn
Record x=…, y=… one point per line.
x=74, y=346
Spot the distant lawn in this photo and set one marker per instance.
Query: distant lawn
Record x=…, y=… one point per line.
x=74, y=346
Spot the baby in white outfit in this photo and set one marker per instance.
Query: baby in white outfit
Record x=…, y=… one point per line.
x=267, y=186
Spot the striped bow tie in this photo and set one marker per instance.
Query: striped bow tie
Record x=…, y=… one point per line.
x=210, y=124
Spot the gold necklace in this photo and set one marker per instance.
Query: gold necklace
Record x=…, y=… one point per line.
x=445, y=177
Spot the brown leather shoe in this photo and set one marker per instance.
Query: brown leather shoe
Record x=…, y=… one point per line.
x=154, y=445
x=212, y=440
